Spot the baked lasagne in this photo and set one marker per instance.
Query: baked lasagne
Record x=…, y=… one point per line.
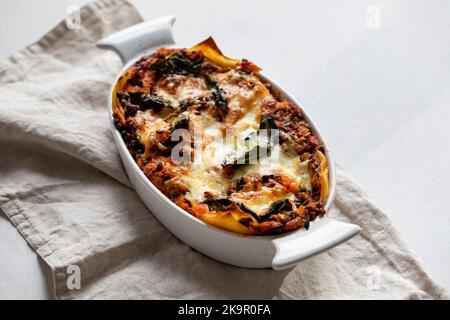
x=220, y=142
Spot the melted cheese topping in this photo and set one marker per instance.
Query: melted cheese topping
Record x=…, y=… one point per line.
x=147, y=125
x=280, y=162
x=178, y=88
x=245, y=94
x=201, y=180
x=204, y=174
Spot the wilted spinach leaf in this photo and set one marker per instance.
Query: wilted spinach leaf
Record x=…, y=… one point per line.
x=146, y=101
x=218, y=94
x=177, y=63
x=274, y=208
x=267, y=122
x=248, y=157
x=218, y=204
x=278, y=206
x=262, y=149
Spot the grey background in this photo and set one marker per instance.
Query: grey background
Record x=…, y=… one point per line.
x=380, y=96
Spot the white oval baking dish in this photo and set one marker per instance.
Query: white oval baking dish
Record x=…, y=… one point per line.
x=276, y=251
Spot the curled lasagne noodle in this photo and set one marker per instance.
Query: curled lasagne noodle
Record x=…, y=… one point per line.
x=219, y=142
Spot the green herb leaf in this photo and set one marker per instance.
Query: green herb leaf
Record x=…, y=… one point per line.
x=218, y=204
x=278, y=206
x=218, y=94
x=146, y=101
x=177, y=63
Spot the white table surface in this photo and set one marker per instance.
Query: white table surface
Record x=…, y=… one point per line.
x=380, y=96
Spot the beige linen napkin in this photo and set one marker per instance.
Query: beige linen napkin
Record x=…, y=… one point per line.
x=63, y=187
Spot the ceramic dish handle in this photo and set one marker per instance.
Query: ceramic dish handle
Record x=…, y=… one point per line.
x=290, y=250
x=140, y=39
